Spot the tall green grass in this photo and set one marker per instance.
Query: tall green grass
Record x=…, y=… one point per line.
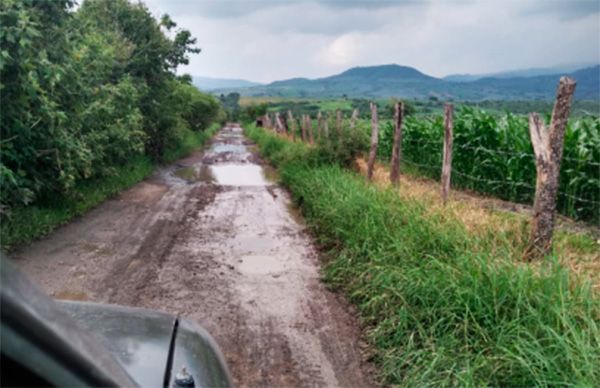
x=443, y=308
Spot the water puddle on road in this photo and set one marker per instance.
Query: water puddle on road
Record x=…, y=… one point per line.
x=233, y=148
x=239, y=175
x=261, y=264
x=194, y=174
x=228, y=174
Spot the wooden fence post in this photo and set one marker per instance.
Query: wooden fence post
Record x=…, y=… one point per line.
x=374, y=141
x=303, y=127
x=278, y=123
x=309, y=128
x=353, y=119
x=284, y=121
x=292, y=124
x=548, y=149
x=319, y=125
x=447, y=154
x=338, y=121
x=397, y=146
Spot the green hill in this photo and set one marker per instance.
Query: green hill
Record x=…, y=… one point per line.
x=407, y=82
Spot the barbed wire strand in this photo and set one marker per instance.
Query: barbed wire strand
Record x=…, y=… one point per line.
x=500, y=182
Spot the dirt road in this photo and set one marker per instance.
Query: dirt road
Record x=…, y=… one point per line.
x=214, y=239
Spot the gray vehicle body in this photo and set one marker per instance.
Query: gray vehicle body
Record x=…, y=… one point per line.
x=49, y=342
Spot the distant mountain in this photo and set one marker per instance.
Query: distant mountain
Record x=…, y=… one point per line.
x=531, y=72
x=381, y=72
x=209, y=84
x=407, y=82
x=539, y=87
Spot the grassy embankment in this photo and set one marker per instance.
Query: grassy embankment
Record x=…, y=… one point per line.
x=27, y=223
x=444, y=304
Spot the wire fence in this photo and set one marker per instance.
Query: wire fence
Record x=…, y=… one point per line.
x=495, y=157
x=499, y=161
x=477, y=177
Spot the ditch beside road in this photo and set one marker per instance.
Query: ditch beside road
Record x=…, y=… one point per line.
x=215, y=239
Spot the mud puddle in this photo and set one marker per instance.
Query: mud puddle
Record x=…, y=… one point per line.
x=228, y=174
x=222, y=148
x=195, y=174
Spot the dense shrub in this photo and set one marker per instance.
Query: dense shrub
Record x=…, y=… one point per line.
x=84, y=92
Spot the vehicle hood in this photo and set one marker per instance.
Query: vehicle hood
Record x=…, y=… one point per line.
x=152, y=346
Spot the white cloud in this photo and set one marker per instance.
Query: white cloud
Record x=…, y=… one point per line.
x=269, y=40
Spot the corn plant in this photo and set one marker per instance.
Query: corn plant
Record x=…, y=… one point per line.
x=493, y=155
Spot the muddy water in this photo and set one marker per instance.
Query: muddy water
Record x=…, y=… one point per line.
x=213, y=238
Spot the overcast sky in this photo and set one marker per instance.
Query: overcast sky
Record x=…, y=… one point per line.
x=267, y=40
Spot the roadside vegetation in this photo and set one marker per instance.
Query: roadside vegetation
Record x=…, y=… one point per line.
x=419, y=107
x=90, y=102
x=493, y=154
x=445, y=302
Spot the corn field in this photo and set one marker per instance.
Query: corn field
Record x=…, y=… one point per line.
x=493, y=155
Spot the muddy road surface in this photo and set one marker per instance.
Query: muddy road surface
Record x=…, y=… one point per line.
x=214, y=239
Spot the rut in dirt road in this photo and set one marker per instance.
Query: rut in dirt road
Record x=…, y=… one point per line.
x=214, y=239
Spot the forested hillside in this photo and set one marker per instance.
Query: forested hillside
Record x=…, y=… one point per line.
x=89, y=94
x=406, y=82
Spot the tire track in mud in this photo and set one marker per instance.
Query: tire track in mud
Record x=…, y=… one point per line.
x=212, y=239
x=131, y=276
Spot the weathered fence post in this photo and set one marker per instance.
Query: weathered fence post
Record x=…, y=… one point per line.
x=303, y=127
x=353, y=119
x=319, y=125
x=548, y=149
x=284, y=121
x=338, y=122
x=374, y=141
x=292, y=124
x=309, y=128
x=325, y=127
x=397, y=146
x=279, y=123
x=447, y=154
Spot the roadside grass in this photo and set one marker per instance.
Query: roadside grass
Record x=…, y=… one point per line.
x=25, y=224
x=444, y=304
x=190, y=141
x=498, y=222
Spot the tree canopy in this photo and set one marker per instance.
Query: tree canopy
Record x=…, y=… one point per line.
x=84, y=91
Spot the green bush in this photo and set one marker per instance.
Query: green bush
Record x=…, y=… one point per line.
x=85, y=92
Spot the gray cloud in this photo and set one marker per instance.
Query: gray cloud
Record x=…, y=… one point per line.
x=564, y=10
x=228, y=9
x=269, y=40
